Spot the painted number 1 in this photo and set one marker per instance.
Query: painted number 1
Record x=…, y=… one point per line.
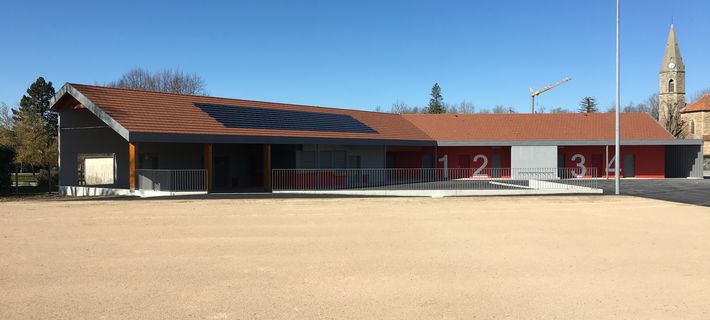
x=580, y=164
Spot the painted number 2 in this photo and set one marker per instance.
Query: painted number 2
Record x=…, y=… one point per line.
x=485, y=163
x=580, y=164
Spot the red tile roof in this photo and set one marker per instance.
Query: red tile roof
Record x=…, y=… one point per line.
x=703, y=104
x=154, y=112
x=516, y=127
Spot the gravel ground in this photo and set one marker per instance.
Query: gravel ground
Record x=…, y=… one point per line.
x=567, y=257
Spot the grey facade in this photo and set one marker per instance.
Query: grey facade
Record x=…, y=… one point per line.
x=684, y=161
x=81, y=132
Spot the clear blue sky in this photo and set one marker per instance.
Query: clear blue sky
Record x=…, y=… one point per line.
x=358, y=54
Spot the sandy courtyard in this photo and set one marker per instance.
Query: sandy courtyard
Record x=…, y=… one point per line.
x=461, y=258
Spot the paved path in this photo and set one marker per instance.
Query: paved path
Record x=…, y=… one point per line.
x=691, y=191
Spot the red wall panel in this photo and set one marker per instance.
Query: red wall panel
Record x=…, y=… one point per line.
x=649, y=160
x=463, y=157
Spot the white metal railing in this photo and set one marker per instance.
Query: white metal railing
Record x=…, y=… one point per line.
x=172, y=179
x=434, y=179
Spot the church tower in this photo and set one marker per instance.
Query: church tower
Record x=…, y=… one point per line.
x=672, y=78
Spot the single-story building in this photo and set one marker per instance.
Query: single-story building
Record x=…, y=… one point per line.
x=120, y=141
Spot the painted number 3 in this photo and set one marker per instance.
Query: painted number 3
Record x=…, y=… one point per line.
x=580, y=164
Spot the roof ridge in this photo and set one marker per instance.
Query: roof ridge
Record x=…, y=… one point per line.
x=225, y=98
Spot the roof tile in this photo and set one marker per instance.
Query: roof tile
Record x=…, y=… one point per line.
x=156, y=112
x=703, y=104
x=516, y=127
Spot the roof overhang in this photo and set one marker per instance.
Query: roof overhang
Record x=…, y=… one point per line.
x=468, y=143
x=67, y=91
x=207, y=138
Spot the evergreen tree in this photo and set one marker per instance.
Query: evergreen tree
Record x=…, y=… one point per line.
x=436, y=103
x=37, y=102
x=588, y=105
x=35, y=128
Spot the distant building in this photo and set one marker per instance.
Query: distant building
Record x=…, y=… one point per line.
x=672, y=94
x=672, y=79
x=697, y=121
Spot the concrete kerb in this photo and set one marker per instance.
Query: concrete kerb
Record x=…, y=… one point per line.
x=446, y=193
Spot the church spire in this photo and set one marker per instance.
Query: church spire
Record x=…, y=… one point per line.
x=672, y=60
x=672, y=79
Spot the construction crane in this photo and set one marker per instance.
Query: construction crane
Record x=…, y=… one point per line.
x=534, y=93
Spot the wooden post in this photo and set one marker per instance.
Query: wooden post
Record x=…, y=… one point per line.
x=132, y=164
x=207, y=164
x=267, y=167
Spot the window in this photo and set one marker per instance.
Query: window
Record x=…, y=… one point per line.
x=96, y=169
x=671, y=85
x=692, y=126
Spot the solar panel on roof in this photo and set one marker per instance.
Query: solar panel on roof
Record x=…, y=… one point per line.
x=275, y=119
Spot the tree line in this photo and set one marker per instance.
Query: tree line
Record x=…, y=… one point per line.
x=437, y=105
x=587, y=104
x=673, y=122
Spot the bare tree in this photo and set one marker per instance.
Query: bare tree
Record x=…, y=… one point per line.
x=6, y=125
x=699, y=95
x=652, y=103
x=466, y=107
x=560, y=110
x=166, y=80
x=642, y=107
x=399, y=107
x=674, y=123
x=451, y=108
x=6, y=120
x=501, y=109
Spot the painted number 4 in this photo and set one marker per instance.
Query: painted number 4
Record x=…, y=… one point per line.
x=580, y=165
